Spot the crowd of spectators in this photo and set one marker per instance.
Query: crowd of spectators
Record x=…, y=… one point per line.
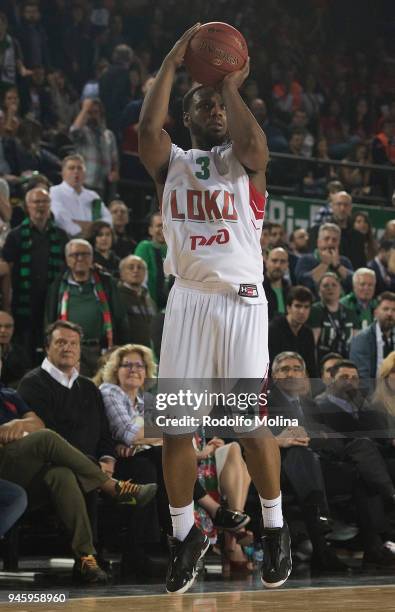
x=72, y=84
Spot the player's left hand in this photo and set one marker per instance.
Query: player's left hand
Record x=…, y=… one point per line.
x=236, y=79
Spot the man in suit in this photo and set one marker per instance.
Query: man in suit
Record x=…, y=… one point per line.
x=385, y=279
x=317, y=467
x=300, y=466
x=376, y=342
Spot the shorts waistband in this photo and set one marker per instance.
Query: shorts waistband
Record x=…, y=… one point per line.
x=203, y=287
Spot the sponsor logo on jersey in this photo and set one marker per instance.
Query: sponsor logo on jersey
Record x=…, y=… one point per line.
x=221, y=237
x=202, y=206
x=250, y=291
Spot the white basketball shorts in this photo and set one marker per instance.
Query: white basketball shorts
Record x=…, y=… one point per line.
x=211, y=333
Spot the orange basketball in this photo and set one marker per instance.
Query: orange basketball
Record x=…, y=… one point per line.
x=216, y=50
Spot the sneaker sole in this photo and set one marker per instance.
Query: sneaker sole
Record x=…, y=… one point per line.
x=188, y=585
x=275, y=585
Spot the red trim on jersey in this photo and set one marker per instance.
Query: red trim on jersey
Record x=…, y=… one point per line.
x=257, y=202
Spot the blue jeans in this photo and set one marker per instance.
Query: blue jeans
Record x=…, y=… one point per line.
x=13, y=502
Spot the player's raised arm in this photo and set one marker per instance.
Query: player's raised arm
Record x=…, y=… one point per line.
x=154, y=142
x=249, y=140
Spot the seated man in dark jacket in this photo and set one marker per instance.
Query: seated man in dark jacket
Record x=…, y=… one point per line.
x=51, y=470
x=316, y=466
x=70, y=404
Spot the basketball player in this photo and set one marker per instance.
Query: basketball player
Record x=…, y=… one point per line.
x=213, y=199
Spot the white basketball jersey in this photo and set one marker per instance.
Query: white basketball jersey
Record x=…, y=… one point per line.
x=212, y=221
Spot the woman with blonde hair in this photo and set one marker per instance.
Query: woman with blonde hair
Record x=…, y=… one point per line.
x=384, y=396
x=123, y=380
x=380, y=419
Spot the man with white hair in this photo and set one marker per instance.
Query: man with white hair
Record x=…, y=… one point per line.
x=90, y=298
x=361, y=300
x=326, y=258
x=140, y=307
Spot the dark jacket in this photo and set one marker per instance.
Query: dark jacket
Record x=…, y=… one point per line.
x=272, y=298
x=282, y=338
x=363, y=353
x=77, y=414
x=381, y=283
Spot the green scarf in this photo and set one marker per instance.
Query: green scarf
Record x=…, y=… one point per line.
x=64, y=298
x=55, y=262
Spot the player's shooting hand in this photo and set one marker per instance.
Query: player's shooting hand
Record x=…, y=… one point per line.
x=175, y=57
x=235, y=80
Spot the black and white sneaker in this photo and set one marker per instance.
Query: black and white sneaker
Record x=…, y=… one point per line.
x=184, y=559
x=230, y=520
x=277, y=560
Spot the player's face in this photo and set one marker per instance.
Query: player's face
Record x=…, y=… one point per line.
x=207, y=118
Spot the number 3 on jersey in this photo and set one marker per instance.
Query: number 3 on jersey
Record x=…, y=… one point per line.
x=204, y=172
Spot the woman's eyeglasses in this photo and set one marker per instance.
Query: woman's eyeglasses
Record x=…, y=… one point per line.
x=135, y=365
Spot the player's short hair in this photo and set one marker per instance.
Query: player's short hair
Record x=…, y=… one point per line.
x=187, y=99
x=299, y=294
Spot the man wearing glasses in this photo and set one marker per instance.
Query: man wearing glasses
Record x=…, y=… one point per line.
x=90, y=298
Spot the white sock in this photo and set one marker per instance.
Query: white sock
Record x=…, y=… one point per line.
x=272, y=512
x=182, y=519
